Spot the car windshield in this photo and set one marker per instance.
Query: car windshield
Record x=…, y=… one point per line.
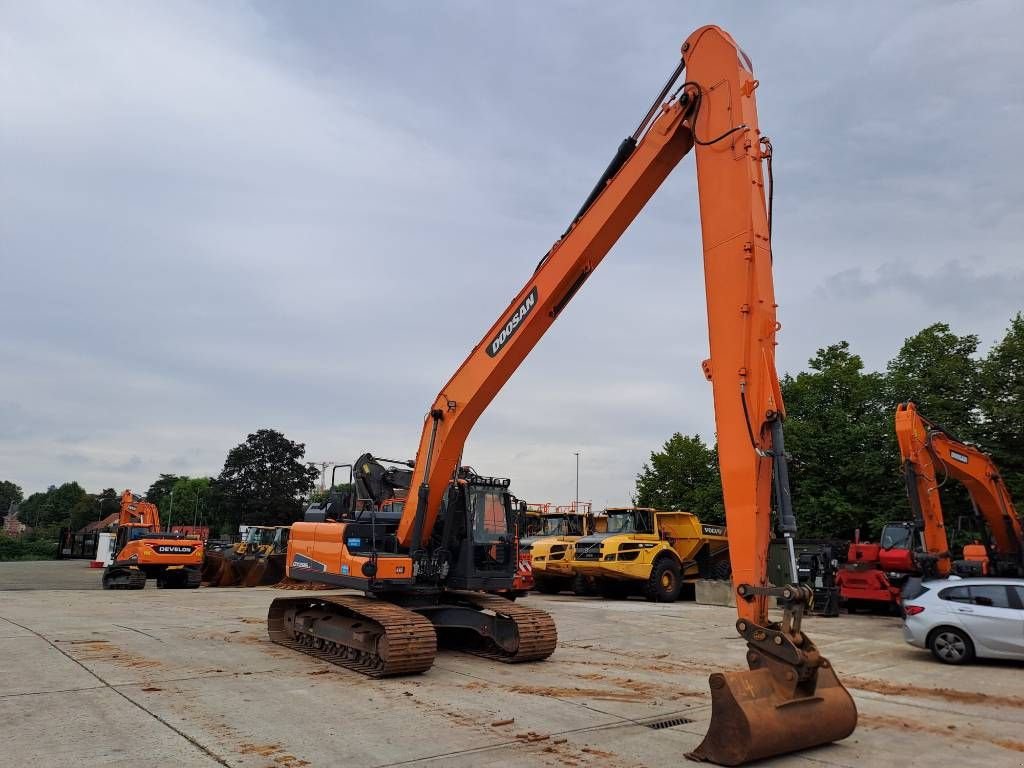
x=628, y=521
x=895, y=537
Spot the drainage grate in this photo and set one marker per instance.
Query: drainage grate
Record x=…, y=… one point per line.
x=670, y=723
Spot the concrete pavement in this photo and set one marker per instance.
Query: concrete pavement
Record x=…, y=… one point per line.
x=158, y=677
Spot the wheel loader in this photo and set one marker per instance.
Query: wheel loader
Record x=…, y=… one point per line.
x=257, y=560
x=650, y=552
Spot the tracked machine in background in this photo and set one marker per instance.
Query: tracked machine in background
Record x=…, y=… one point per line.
x=875, y=574
x=425, y=572
x=143, y=552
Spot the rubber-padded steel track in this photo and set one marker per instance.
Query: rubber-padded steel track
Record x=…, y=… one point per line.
x=407, y=646
x=538, y=635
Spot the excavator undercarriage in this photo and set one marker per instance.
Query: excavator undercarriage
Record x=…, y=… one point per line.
x=380, y=638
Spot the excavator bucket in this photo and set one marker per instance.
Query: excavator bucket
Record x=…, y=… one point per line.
x=765, y=712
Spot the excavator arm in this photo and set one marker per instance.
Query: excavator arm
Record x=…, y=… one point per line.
x=136, y=511
x=930, y=455
x=712, y=110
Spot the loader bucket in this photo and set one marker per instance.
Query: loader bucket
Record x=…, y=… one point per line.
x=255, y=570
x=228, y=575
x=760, y=713
x=212, y=564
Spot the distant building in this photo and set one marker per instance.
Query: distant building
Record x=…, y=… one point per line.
x=12, y=525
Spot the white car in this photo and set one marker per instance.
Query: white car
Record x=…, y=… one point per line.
x=960, y=619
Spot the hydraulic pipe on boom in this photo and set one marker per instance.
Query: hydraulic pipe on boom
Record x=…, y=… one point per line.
x=791, y=698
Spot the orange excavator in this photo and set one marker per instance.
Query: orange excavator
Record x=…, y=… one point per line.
x=931, y=455
x=143, y=552
x=425, y=572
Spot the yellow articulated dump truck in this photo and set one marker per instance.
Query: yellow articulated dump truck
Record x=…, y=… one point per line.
x=549, y=556
x=651, y=553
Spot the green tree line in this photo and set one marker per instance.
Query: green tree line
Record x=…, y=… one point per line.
x=263, y=482
x=845, y=465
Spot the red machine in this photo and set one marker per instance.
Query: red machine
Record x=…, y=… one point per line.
x=875, y=573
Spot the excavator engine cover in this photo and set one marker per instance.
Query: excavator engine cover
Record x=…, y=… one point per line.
x=766, y=712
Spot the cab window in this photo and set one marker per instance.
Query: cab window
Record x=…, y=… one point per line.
x=993, y=596
x=489, y=520
x=956, y=594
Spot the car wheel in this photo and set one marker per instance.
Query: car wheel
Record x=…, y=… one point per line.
x=951, y=646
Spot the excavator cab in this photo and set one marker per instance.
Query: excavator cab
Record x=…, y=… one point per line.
x=483, y=541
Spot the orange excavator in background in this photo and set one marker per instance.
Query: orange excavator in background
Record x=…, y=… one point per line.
x=877, y=573
x=143, y=552
x=931, y=455
x=425, y=570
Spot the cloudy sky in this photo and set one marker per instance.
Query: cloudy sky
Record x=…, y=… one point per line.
x=217, y=217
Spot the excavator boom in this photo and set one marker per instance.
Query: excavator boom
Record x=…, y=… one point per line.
x=930, y=455
x=712, y=111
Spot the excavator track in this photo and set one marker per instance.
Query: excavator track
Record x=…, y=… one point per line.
x=538, y=635
x=395, y=641
x=123, y=577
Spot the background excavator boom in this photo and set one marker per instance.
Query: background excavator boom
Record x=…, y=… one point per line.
x=930, y=454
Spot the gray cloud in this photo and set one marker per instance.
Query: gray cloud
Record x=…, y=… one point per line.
x=218, y=217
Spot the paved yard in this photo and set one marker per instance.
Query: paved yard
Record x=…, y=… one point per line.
x=188, y=678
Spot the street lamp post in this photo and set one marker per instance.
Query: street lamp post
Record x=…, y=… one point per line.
x=170, y=512
x=576, y=507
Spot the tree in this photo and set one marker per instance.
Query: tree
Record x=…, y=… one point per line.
x=845, y=468
x=161, y=488
x=1002, y=407
x=9, y=494
x=683, y=475
x=189, y=501
x=937, y=370
x=264, y=478
x=94, y=507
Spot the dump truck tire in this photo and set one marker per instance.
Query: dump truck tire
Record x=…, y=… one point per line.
x=722, y=570
x=665, y=581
